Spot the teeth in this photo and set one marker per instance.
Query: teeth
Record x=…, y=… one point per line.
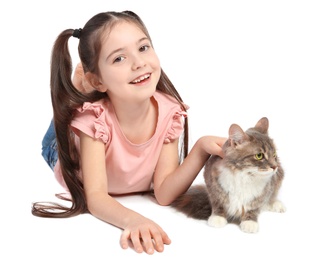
x=141, y=78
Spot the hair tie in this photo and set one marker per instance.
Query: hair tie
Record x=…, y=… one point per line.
x=77, y=33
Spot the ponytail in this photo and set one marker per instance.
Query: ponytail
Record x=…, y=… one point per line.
x=65, y=98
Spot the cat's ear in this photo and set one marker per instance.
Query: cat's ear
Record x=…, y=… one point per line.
x=236, y=135
x=262, y=125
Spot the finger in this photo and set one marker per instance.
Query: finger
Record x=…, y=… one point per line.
x=220, y=141
x=165, y=238
x=124, y=239
x=158, y=241
x=135, y=239
x=220, y=152
x=219, y=147
x=147, y=241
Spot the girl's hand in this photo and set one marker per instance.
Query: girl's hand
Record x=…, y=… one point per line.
x=145, y=236
x=213, y=144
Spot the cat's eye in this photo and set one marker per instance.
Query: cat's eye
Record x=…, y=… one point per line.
x=274, y=155
x=259, y=156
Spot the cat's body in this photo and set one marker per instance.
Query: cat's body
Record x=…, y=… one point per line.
x=239, y=186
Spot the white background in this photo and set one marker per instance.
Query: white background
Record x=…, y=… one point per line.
x=232, y=62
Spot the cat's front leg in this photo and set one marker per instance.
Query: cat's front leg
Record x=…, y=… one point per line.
x=249, y=222
x=217, y=218
x=217, y=221
x=249, y=226
x=276, y=206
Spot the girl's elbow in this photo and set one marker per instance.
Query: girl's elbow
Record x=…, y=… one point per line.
x=91, y=207
x=164, y=203
x=163, y=200
x=95, y=202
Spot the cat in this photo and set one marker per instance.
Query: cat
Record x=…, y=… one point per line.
x=239, y=186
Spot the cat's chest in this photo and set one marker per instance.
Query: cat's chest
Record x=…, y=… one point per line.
x=241, y=187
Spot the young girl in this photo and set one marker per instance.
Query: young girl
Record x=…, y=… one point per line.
x=117, y=128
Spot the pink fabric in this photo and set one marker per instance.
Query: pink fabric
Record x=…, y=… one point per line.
x=129, y=167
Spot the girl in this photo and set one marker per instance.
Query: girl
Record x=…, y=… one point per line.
x=117, y=128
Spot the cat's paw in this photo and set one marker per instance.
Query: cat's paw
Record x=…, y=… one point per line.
x=277, y=206
x=249, y=226
x=217, y=221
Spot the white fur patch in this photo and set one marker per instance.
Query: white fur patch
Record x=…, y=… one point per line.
x=277, y=206
x=249, y=226
x=243, y=187
x=217, y=221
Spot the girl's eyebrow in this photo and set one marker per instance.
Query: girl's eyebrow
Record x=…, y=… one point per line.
x=120, y=49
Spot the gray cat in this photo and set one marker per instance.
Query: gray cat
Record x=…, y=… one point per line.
x=239, y=186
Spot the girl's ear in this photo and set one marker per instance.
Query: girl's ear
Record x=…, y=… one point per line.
x=93, y=80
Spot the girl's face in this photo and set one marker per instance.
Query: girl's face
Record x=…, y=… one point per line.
x=129, y=66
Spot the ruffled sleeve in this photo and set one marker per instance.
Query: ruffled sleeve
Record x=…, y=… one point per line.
x=177, y=126
x=91, y=120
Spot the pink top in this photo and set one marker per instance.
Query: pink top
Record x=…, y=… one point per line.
x=129, y=166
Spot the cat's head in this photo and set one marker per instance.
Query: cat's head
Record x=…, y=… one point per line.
x=251, y=150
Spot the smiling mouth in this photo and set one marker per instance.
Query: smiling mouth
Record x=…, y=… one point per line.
x=140, y=79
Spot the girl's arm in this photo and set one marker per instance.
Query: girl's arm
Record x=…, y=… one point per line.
x=136, y=227
x=170, y=179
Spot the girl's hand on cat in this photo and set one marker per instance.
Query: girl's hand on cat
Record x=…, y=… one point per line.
x=213, y=145
x=145, y=236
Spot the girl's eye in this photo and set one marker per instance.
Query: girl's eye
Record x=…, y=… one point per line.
x=119, y=59
x=259, y=156
x=144, y=48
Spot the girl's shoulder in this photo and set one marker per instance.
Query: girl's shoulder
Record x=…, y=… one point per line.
x=171, y=116
x=97, y=107
x=168, y=102
x=94, y=119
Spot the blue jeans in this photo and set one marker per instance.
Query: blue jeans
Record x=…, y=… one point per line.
x=49, y=146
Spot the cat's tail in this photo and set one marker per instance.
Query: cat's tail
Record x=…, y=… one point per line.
x=194, y=203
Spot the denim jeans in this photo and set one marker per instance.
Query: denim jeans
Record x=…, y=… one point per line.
x=49, y=146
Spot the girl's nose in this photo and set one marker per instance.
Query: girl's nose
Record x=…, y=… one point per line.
x=138, y=62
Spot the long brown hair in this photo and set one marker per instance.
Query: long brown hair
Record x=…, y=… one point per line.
x=66, y=98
